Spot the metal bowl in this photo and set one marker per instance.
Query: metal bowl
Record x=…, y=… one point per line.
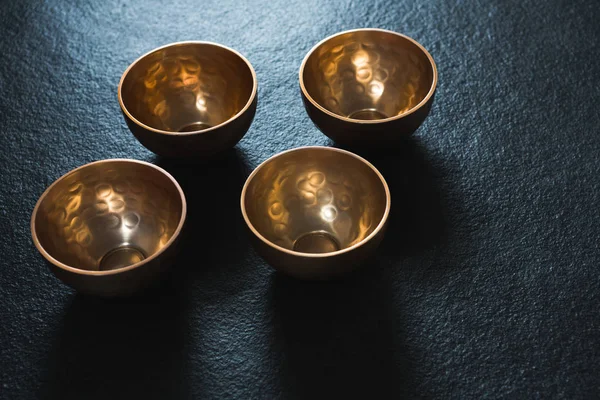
x=316, y=212
x=110, y=228
x=368, y=86
x=189, y=99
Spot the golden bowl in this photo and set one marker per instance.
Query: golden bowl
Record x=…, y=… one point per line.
x=110, y=228
x=368, y=86
x=316, y=212
x=189, y=99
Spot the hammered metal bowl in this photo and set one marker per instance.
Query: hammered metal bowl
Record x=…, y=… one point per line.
x=368, y=86
x=189, y=99
x=316, y=212
x=110, y=228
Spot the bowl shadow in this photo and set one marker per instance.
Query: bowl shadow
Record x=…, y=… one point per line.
x=417, y=221
x=214, y=241
x=119, y=348
x=340, y=339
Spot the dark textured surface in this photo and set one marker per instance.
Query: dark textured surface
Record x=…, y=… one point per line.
x=487, y=284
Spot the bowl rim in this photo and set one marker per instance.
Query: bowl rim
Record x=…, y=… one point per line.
x=212, y=128
x=377, y=229
x=79, y=271
x=375, y=121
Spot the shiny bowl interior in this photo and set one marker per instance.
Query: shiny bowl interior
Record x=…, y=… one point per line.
x=187, y=87
x=368, y=75
x=108, y=215
x=315, y=200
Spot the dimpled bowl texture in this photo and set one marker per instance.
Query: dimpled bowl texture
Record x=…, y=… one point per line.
x=110, y=228
x=368, y=86
x=189, y=99
x=316, y=212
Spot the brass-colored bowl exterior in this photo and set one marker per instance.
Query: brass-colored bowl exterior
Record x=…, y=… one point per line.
x=111, y=227
x=368, y=86
x=189, y=99
x=316, y=212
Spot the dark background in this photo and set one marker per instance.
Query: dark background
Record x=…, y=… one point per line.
x=486, y=285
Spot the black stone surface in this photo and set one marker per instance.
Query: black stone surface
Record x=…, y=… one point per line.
x=486, y=285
